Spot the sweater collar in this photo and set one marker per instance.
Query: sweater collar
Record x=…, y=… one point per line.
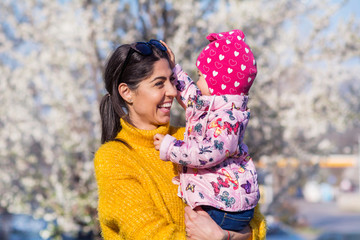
x=135, y=137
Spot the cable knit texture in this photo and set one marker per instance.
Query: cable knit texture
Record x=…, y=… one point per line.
x=137, y=199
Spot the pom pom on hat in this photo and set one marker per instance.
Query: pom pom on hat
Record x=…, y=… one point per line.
x=230, y=35
x=227, y=63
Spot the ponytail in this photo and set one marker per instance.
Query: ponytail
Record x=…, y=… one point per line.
x=110, y=120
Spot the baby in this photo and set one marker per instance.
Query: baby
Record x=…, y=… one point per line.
x=215, y=169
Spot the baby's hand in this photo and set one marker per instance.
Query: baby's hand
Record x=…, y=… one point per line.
x=158, y=138
x=170, y=53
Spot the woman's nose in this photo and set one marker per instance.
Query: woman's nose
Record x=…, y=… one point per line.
x=171, y=90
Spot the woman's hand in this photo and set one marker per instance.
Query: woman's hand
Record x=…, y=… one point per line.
x=200, y=226
x=171, y=55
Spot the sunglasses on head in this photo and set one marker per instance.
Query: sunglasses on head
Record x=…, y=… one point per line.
x=143, y=48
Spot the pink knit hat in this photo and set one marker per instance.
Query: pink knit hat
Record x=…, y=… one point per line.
x=227, y=63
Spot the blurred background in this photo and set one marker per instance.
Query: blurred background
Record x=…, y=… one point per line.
x=304, y=134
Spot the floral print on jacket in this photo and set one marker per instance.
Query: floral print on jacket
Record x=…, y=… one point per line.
x=215, y=168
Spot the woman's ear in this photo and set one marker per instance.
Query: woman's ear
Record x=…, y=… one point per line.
x=125, y=92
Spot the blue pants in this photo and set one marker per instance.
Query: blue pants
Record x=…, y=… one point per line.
x=233, y=221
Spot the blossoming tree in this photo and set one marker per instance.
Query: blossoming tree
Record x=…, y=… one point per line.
x=52, y=56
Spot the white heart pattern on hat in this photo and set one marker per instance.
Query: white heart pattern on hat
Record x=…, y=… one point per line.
x=246, y=57
x=218, y=65
x=232, y=62
x=238, y=45
x=226, y=78
x=225, y=48
x=206, y=68
x=240, y=75
x=228, y=62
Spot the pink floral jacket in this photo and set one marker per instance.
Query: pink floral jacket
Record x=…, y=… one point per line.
x=214, y=166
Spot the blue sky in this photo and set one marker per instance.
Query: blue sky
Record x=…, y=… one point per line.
x=351, y=7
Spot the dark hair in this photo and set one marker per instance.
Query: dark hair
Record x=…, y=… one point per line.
x=112, y=105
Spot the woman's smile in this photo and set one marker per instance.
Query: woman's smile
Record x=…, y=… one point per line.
x=165, y=107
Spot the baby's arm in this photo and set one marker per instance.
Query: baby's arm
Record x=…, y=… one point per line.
x=185, y=86
x=162, y=143
x=221, y=141
x=158, y=138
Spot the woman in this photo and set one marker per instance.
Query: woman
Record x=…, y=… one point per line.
x=137, y=199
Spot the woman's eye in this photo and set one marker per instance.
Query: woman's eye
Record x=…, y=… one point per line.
x=159, y=84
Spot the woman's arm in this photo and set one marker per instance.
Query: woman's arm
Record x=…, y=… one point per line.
x=258, y=224
x=245, y=234
x=133, y=214
x=126, y=206
x=200, y=226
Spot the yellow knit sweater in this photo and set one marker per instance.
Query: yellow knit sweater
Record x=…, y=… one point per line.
x=137, y=199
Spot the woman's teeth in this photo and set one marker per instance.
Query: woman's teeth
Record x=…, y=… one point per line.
x=165, y=105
